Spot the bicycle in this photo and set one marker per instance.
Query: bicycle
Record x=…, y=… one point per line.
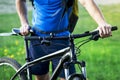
x=68, y=56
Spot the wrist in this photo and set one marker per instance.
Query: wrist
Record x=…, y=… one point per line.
x=102, y=23
x=24, y=24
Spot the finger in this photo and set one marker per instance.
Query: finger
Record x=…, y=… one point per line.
x=21, y=31
x=107, y=30
x=100, y=31
x=110, y=32
x=25, y=30
x=104, y=30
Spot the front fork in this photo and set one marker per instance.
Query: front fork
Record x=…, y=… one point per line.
x=82, y=74
x=84, y=69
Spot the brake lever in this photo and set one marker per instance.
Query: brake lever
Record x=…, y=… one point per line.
x=95, y=37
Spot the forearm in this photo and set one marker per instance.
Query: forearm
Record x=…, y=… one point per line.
x=94, y=11
x=22, y=11
x=103, y=27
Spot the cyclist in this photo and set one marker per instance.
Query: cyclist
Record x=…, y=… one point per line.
x=46, y=20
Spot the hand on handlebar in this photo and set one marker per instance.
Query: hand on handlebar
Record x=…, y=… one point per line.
x=104, y=30
x=24, y=30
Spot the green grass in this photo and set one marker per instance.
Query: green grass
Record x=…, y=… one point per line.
x=102, y=57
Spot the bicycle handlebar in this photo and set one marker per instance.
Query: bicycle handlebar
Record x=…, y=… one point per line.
x=95, y=35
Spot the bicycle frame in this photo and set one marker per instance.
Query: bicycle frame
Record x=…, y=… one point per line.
x=67, y=54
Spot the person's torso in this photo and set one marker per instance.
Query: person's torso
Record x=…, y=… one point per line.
x=48, y=15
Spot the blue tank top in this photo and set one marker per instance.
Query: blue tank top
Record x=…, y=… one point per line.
x=47, y=16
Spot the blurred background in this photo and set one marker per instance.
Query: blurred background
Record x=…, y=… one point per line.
x=102, y=57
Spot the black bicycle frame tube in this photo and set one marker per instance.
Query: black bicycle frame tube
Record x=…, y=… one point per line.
x=73, y=49
x=59, y=67
x=29, y=75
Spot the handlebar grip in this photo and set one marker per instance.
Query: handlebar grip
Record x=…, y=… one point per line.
x=114, y=28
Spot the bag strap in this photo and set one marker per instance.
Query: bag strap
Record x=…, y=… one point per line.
x=68, y=4
x=32, y=2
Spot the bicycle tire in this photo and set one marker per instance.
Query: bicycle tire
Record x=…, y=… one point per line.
x=8, y=64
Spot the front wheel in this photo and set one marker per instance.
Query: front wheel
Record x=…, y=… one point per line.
x=8, y=68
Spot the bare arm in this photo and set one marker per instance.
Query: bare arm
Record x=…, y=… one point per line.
x=22, y=12
x=96, y=14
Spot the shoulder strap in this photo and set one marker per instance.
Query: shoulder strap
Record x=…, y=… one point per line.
x=68, y=4
x=32, y=2
x=65, y=9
